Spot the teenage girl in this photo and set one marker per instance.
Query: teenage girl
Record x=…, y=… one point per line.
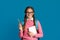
x=29, y=20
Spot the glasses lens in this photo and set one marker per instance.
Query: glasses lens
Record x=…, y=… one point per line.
x=30, y=12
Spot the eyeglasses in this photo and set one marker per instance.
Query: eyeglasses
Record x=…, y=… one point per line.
x=29, y=12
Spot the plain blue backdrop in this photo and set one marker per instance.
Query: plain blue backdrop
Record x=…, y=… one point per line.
x=45, y=11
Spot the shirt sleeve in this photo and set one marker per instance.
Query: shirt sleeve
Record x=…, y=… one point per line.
x=39, y=31
x=21, y=33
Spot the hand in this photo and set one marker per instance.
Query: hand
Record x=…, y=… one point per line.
x=31, y=34
x=20, y=27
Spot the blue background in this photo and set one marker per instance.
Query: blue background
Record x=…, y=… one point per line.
x=45, y=11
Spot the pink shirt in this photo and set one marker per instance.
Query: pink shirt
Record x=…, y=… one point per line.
x=25, y=35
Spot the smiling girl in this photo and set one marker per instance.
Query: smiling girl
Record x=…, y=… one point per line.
x=29, y=21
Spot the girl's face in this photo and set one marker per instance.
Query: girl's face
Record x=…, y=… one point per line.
x=29, y=13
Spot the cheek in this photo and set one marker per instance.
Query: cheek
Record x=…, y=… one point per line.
x=31, y=14
x=26, y=14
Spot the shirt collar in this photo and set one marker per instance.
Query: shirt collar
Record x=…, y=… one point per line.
x=30, y=19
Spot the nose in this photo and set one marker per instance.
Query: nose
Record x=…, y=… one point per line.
x=28, y=14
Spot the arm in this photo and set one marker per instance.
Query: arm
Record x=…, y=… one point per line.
x=21, y=31
x=40, y=33
x=21, y=34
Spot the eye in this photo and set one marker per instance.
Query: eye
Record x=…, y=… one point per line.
x=30, y=12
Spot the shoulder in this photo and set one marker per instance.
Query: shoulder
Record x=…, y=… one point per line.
x=37, y=21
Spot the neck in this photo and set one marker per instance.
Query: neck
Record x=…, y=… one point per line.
x=30, y=18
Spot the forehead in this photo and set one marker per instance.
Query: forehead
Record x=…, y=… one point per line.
x=29, y=10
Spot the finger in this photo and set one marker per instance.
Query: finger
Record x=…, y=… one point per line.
x=20, y=25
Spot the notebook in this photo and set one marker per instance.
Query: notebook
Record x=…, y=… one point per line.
x=33, y=30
